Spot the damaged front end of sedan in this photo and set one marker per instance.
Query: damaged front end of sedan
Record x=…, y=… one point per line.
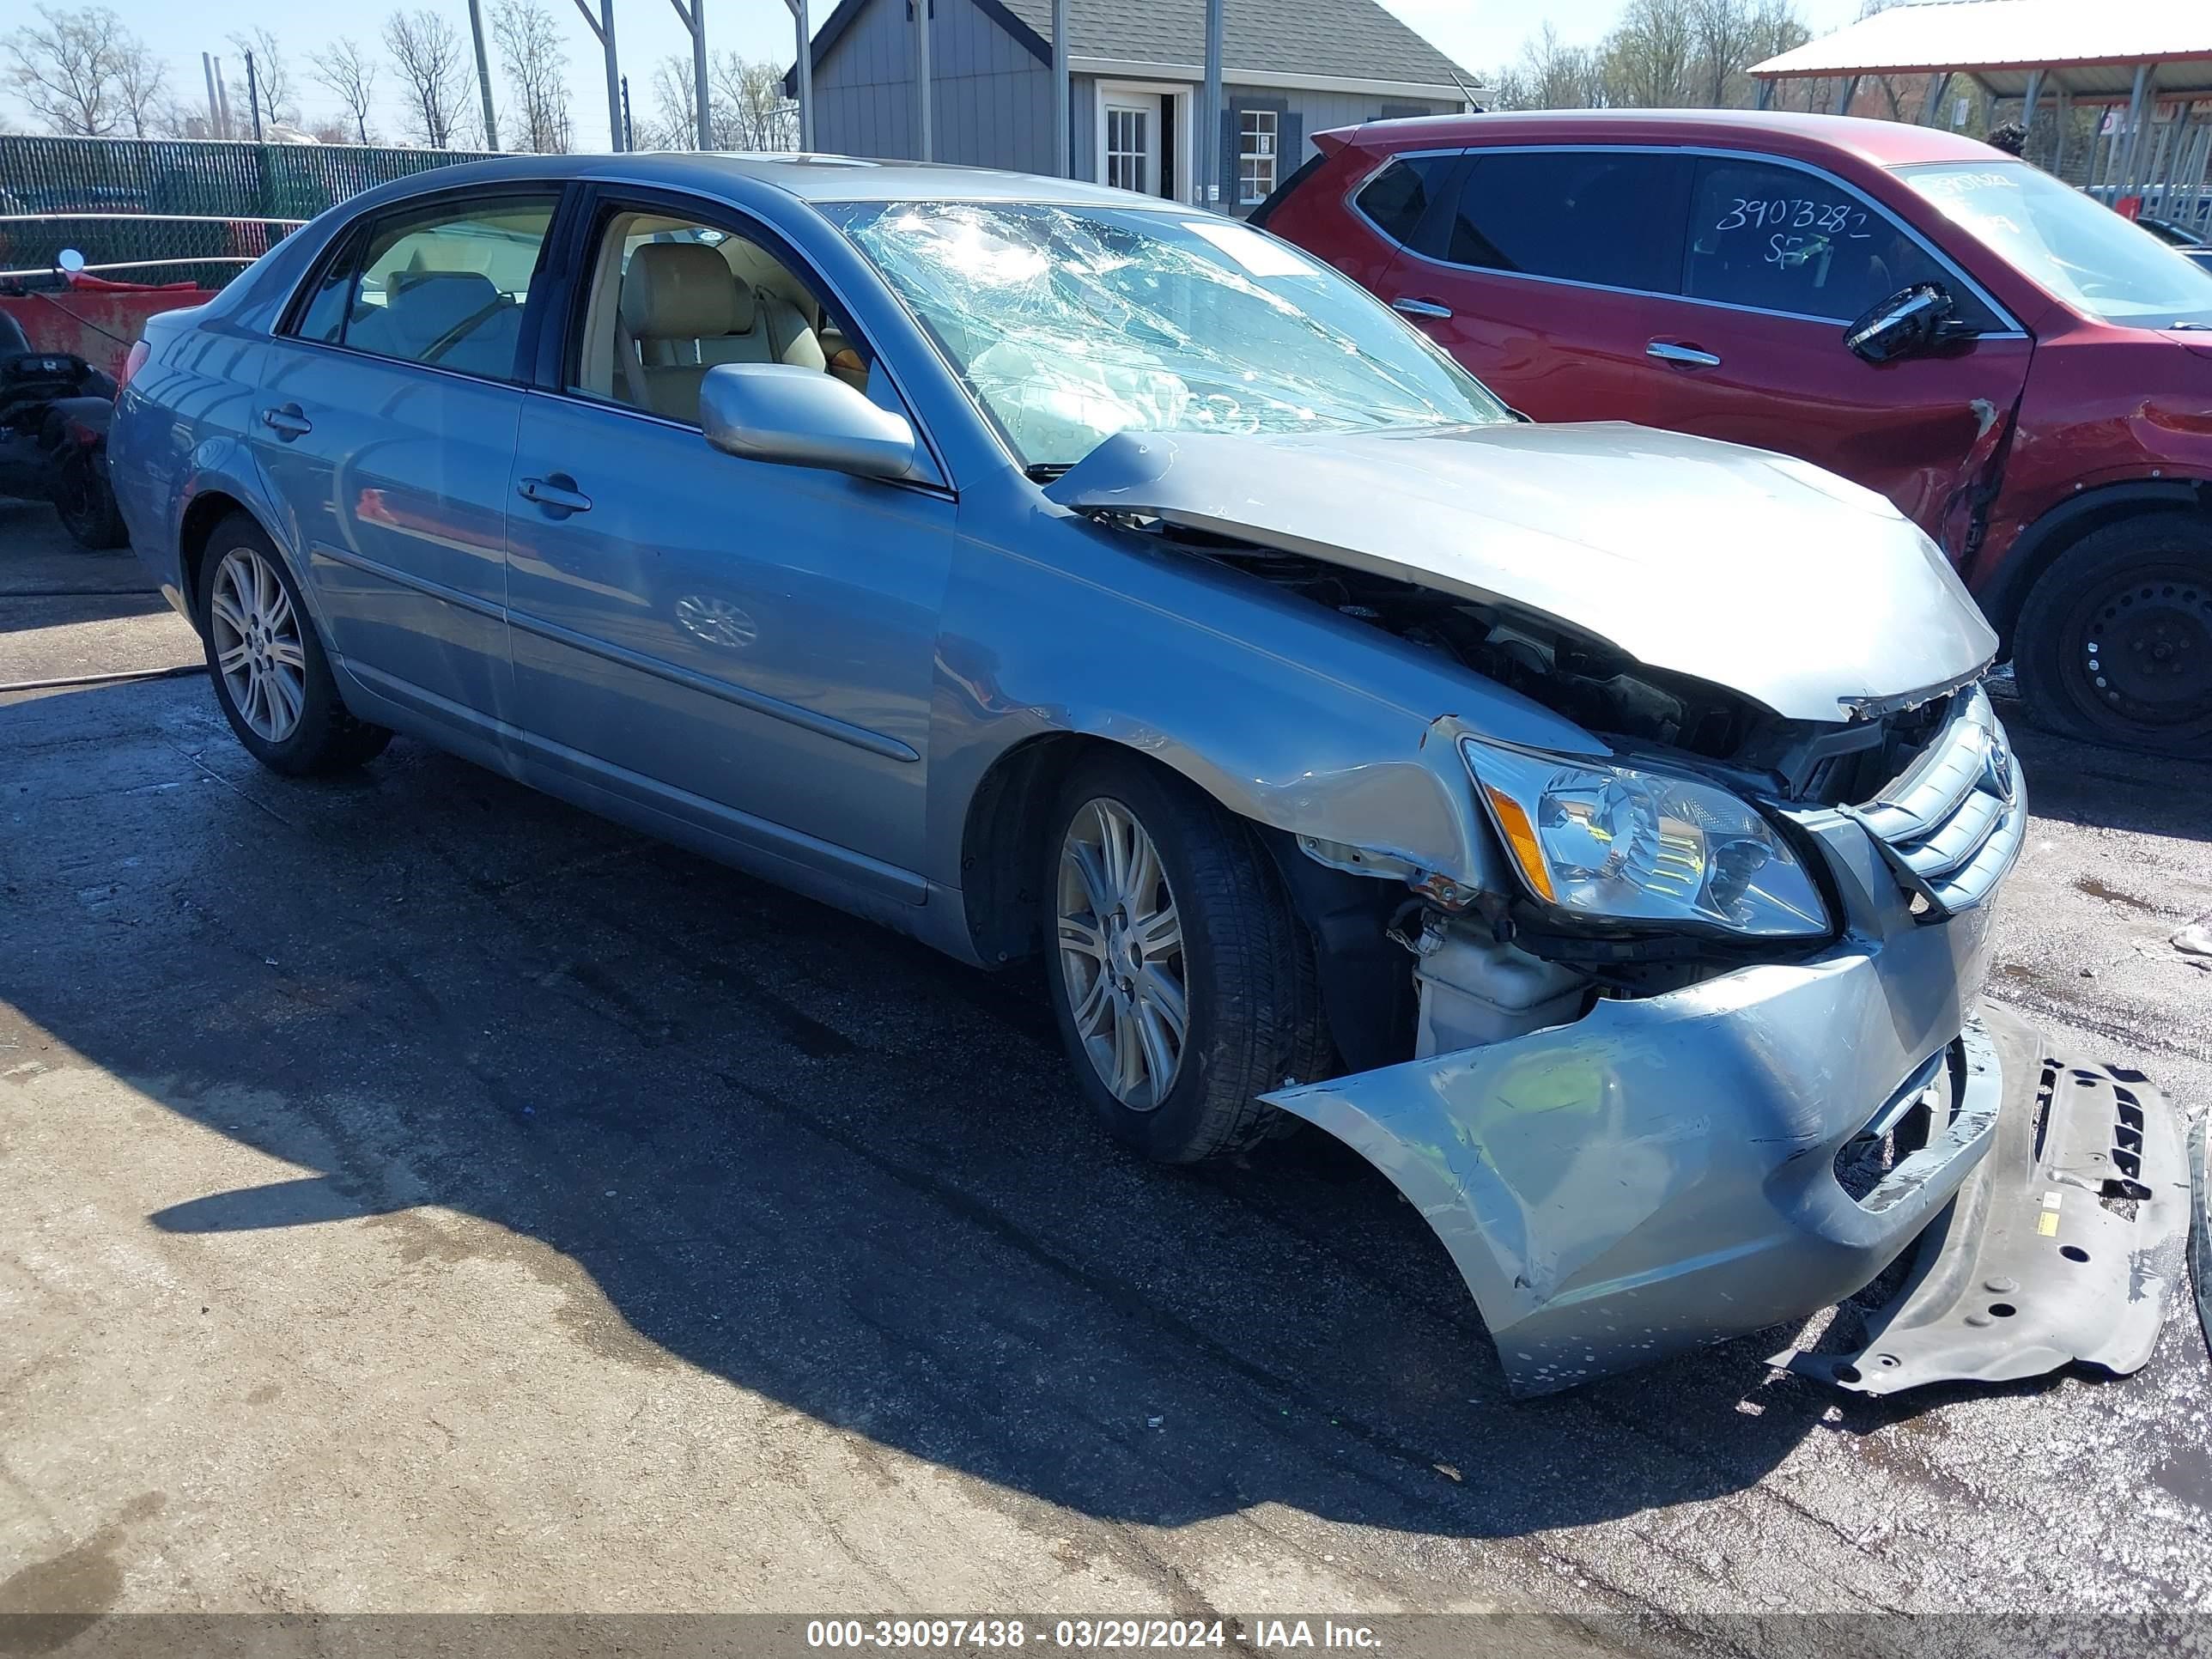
x=1695, y=1047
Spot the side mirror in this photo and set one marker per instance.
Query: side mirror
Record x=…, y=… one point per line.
x=71, y=260
x=1908, y=322
x=802, y=417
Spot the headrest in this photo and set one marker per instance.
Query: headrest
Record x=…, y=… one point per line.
x=683, y=291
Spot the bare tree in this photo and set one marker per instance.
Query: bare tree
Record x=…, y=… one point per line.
x=1553, y=75
x=431, y=59
x=672, y=126
x=1775, y=28
x=1660, y=53
x=272, y=76
x=747, y=106
x=142, y=86
x=1650, y=57
x=1504, y=89
x=537, y=66
x=350, y=73
x=68, y=68
x=1722, y=30
x=173, y=119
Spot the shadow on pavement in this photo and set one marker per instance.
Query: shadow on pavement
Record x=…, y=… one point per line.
x=2110, y=789
x=785, y=1147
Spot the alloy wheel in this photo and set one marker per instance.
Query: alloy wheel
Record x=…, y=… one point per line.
x=257, y=648
x=1122, y=954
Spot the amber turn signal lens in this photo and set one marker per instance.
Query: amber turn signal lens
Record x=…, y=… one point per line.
x=1521, y=837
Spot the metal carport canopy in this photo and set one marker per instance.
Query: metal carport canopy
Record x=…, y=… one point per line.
x=2089, y=48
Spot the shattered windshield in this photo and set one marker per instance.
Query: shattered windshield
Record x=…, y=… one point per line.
x=1070, y=324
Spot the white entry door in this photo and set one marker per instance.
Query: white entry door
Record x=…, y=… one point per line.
x=1130, y=158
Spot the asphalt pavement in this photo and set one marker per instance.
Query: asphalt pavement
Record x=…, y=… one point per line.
x=422, y=1195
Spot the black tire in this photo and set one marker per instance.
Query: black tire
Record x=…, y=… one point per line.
x=2114, y=644
x=327, y=736
x=85, y=504
x=1253, y=1001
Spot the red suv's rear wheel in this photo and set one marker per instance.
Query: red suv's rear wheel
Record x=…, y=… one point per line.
x=2115, y=642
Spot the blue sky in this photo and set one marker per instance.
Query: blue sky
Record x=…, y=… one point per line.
x=1480, y=34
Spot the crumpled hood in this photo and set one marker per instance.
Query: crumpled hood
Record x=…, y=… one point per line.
x=1752, y=571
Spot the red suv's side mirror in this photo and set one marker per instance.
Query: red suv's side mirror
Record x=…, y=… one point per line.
x=1910, y=321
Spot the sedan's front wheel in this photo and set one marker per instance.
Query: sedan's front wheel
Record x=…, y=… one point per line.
x=270, y=675
x=1183, y=984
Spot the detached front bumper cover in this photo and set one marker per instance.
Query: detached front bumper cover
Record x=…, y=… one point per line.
x=2063, y=1245
x=1659, y=1176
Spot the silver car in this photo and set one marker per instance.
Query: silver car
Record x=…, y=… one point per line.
x=1597, y=828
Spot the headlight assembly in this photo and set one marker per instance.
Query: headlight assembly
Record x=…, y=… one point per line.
x=1623, y=843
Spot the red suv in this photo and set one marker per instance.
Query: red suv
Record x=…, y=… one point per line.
x=2026, y=374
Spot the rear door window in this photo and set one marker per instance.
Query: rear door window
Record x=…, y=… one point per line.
x=445, y=287
x=1609, y=217
x=1397, y=198
x=1776, y=238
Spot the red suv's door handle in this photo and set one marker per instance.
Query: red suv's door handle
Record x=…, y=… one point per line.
x=1689, y=356
x=1428, y=308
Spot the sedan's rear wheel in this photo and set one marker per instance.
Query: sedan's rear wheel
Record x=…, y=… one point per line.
x=269, y=672
x=1183, y=984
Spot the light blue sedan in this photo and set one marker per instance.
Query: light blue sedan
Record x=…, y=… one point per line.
x=1594, y=827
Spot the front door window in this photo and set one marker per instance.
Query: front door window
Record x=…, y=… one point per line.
x=1255, y=156
x=1129, y=147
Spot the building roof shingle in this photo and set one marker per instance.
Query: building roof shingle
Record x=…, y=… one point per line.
x=1280, y=37
x=1261, y=40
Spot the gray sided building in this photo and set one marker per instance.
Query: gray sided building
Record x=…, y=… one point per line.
x=1291, y=67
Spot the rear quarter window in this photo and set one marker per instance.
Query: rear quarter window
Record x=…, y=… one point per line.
x=1397, y=198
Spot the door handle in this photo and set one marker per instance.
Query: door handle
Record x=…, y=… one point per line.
x=287, y=423
x=557, y=491
x=1689, y=356
x=1428, y=308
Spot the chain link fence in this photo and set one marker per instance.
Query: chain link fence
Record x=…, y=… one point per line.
x=155, y=210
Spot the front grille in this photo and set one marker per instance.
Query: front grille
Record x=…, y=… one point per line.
x=1952, y=825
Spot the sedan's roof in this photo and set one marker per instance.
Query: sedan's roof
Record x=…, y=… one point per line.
x=810, y=178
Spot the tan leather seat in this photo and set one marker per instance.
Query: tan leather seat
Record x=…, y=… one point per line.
x=683, y=312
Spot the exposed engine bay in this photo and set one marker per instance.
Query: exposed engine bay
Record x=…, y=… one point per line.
x=1486, y=968
x=1601, y=688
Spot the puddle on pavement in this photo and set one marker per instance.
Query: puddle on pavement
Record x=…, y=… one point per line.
x=2097, y=889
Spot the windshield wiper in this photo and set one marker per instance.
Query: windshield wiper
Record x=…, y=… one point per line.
x=1046, y=471
x=2172, y=327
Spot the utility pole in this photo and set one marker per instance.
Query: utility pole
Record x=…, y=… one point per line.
x=603, y=29
x=483, y=76
x=694, y=18
x=216, y=128
x=1208, y=148
x=921, y=77
x=253, y=97
x=804, y=65
x=1062, y=164
x=628, y=132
